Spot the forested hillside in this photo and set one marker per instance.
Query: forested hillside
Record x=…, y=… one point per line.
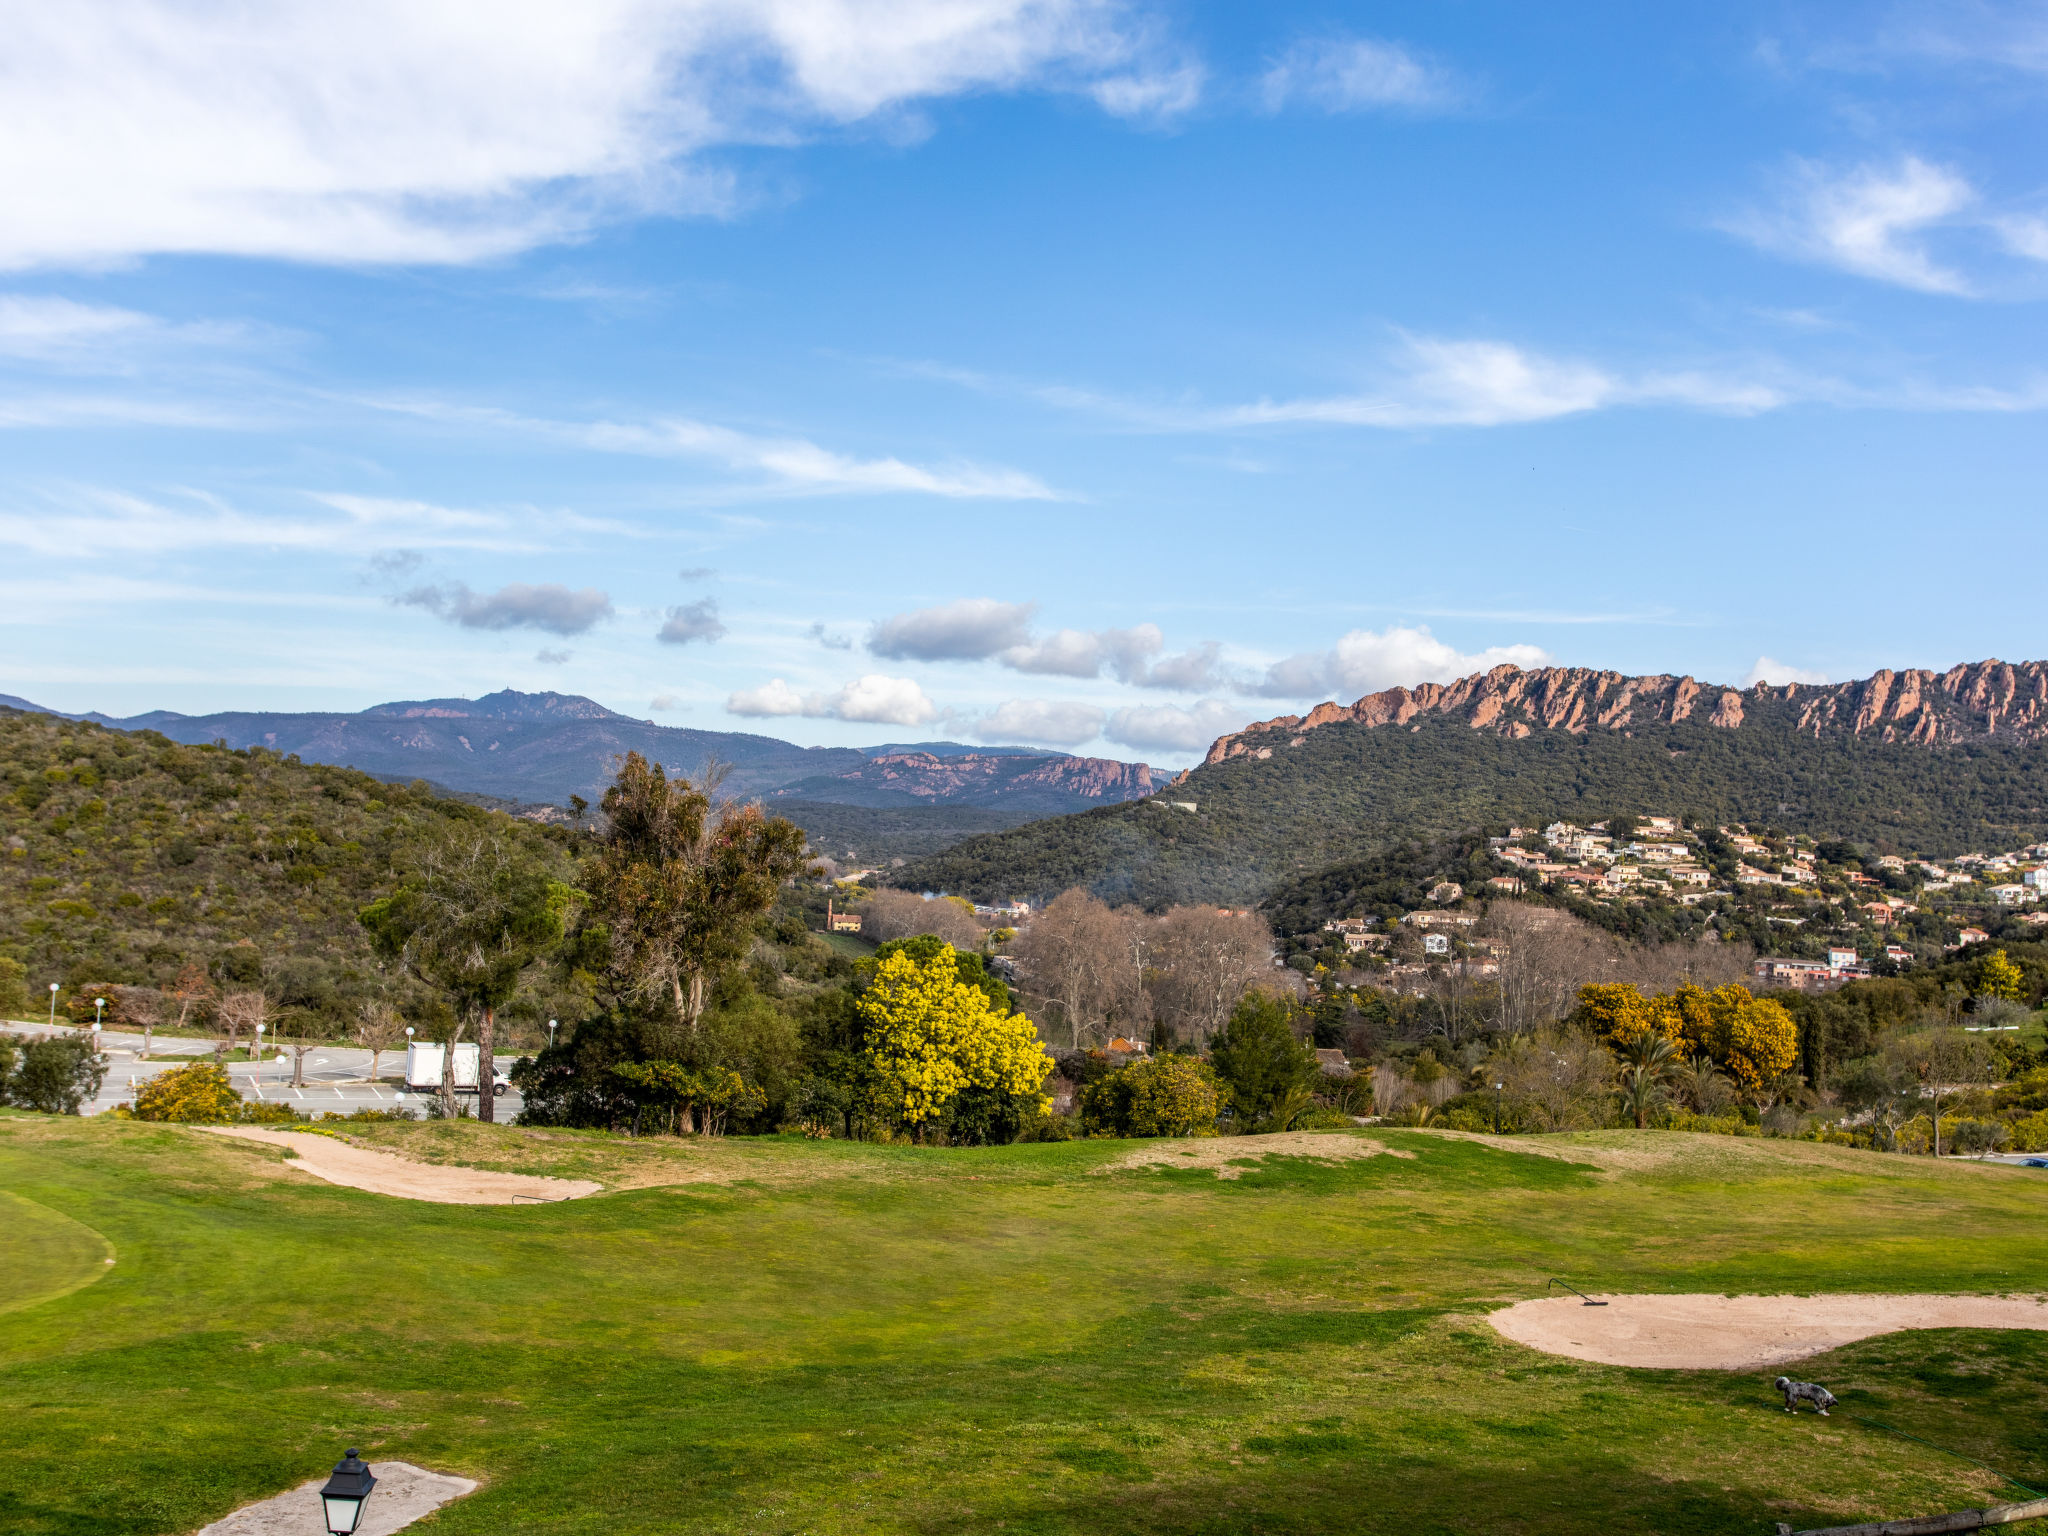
x=125, y=857
x=1306, y=799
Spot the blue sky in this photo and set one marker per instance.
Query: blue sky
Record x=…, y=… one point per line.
x=1090, y=374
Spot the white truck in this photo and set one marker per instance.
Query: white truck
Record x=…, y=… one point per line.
x=425, y=1060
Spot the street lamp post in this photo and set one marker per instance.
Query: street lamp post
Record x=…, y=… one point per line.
x=53, y=1004
x=1496, y=1109
x=99, y=1008
x=347, y=1491
x=551, y=1034
x=258, y=1046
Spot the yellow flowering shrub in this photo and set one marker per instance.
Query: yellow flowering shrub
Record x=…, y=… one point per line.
x=196, y=1095
x=930, y=1036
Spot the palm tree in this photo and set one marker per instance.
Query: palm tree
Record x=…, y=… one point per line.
x=1651, y=1061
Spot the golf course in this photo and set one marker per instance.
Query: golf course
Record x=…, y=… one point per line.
x=1234, y=1335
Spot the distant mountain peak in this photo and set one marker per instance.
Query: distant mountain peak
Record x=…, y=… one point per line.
x=505, y=704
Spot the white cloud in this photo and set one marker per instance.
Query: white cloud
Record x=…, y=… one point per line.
x=873, y=698
x=1778, y=673
x=1871, y=220
x=1437, y=382
x=105, y=521
x=516, y=605
x=2025, y=237
x=442, y=131
x=692, y=621
x=1041, y=722
x=552, y=658
x=970, y=629
x=1351, y=74
x=1063, y=653
x=1365, y=661
x=1169, y=728
x=795, y=464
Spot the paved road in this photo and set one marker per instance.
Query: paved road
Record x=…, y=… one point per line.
x=337, y=1078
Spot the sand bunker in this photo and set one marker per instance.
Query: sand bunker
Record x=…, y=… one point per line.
x=383, y=1174
x=1220, y=1152
x=1742, y=1333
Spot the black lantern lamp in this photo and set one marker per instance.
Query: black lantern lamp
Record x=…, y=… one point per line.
x=347, y=1491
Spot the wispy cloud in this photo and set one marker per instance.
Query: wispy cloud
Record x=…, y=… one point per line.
x=1870, y=220
x=791, y=465
x=984, y=629
x=971, y=629
x=402, y=131
x=874, y=698
x=105, y=521
x=1360, y=74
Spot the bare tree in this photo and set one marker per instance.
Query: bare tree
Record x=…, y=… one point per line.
x=144, y=1006
x=1947, y=1061
x=192, y=992
x=379, y=1028
x=1560, y=1075
x=1549, y=955
x=1201, y=961
x=237, y=1014
x=1083, y=963
x=297, y=1024
x=891, y=914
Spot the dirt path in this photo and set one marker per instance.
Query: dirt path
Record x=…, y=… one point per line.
x=1221, y=1152
x=383, y=1174
x=1742, y=1333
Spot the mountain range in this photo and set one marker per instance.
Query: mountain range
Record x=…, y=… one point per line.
x=1911, y=761
x=538, y=749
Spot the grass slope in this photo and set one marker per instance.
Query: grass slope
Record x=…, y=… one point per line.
x=124, y=855
x=830, y=1337
x=1347, y=789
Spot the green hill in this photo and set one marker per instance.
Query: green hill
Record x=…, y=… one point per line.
x=1297, y=795
x=124, y=856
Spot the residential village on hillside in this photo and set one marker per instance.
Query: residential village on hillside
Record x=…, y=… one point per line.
x=1833, y=915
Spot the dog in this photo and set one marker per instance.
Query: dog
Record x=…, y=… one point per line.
x=1797, y=1392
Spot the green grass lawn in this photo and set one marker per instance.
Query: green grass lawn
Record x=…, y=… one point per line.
x=840, y=1338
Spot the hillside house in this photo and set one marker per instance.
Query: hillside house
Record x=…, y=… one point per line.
x=1898, y=955
x=1436, y=943
x=1666, y=826
x=1444, y=892
x=1332, y=1063
x=1441, y=920
x=841, y=922
x=2014, y=895
x=1804, y=975
x=1349, y=924
x=1689, y=874
x=1507, y=885
x=1971, y=936
x=1354, y=941
x=1892, y=862
x=2037, y=878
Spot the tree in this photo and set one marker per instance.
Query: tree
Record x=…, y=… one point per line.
x=1267, y=1070
x=1618, y=1014
x=1945, y=1062
x=192, y=991
x=1080, y=963
x=1556, y=1076
x=929, y=1036
x=1997, y=976
x=891, y=914
x=199, y=1094
x=56, y=1074
x=1753, y=1039
x=1169, y=1096
x=1648, y=1062
x=235, y=1015
x=476, y=911
x=379, y=1028
x=1200, y=962
x=1704, y=1086
x=680, y=881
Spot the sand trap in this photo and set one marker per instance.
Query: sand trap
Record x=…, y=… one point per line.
x=1219, y=1152
x=383, y=1174
x=403, y=1493
x=1742, y=1333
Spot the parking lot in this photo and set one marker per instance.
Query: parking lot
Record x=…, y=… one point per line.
x=336, y=1078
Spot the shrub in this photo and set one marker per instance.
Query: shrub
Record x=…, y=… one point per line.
x=56, y=1075
x=2031, y=1133
x=1172, y=1096
x=199, y=1094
